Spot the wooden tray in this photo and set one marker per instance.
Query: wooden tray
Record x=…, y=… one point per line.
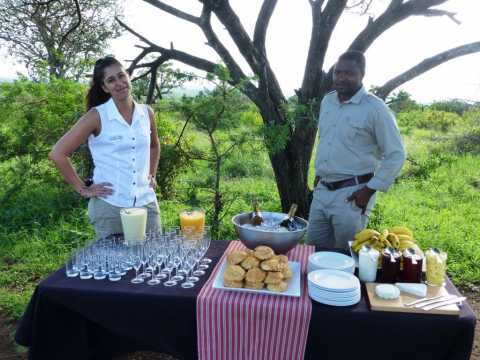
x=377, y=304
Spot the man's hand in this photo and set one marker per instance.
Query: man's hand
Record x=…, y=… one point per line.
x=361, y=197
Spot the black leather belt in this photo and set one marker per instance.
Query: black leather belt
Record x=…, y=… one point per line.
x=335, y=185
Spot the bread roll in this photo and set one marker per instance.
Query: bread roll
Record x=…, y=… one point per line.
x=274, y=277
x=254, y=285
x=287, y=273
x=279, y=287
x=271, y=265
x=234, y=273
x=233, y=284
x=255, y=275
x=236, y=257
x=263, y=252
x=250, y=262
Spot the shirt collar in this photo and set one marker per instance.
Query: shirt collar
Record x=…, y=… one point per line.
x=355, y=99
x=114, y=114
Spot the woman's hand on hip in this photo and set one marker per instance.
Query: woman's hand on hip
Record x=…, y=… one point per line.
x=152, y=181
x=96, y=190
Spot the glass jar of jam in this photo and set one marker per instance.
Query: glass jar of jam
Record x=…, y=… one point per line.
x=412, y=266
x=390, y=265
x=436, y=267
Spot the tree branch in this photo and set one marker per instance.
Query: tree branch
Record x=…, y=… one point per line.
x=437, y=12
x=426, y=65
x=395, y=12
x=75, y=26
x=324, y=23
x=213, y=41
x=261, y=26
x=151, y=85
x=181, y=56
x=173, y=11
x=240, y=37
x=268, y=83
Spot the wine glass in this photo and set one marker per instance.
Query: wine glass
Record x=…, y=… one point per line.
x=137, y=252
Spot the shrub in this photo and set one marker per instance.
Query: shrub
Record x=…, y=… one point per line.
x=456, y=106
x=402, y=102
x=429, y=119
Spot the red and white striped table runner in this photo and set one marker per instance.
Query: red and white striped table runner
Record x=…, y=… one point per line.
x=243, y=326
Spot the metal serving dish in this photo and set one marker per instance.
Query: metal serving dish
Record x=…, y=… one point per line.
x=280, y=242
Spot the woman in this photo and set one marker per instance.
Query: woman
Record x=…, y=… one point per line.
x=122, y=138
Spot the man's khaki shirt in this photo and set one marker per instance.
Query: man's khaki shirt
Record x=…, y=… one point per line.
x=356, y=137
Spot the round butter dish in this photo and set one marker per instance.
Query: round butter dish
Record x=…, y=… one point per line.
x=387, y=291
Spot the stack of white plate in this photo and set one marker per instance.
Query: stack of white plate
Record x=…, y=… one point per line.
x=330, y=260
x=334, y=287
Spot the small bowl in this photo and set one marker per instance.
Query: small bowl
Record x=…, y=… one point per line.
x=280, y=242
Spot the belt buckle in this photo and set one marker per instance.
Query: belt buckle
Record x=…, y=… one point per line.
x=329, y=186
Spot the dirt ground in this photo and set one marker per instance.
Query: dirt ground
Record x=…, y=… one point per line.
x=8, y=351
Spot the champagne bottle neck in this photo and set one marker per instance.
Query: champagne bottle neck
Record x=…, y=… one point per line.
x=292, y=211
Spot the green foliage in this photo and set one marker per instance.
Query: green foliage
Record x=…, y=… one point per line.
x=429, y=119
x=173, y=142
x=33, y=115
x=53, y=40
x=216, y=116
x=402, y=102
x=456, y=106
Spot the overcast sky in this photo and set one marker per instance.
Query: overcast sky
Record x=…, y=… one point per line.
x=289, y=33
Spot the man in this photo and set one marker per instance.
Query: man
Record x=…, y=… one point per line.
x=359, y=152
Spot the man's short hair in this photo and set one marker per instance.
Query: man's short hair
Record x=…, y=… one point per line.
x=357, y=57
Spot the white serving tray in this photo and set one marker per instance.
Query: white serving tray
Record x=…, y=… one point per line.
x=293, y=284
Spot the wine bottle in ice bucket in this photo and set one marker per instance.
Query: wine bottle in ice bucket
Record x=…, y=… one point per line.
x=256, y=218
x=289, y=222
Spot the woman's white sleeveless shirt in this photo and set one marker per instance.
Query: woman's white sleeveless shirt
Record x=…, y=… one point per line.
x=121, y=154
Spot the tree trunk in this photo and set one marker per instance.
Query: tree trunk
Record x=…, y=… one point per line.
x=291, y=165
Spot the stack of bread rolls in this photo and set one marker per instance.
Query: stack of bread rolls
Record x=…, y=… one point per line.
x=256, y=269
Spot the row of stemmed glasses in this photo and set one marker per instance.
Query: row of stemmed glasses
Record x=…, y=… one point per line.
x=105, y=258
x=172, y=255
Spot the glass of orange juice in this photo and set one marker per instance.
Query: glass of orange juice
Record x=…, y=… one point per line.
x=192, y=223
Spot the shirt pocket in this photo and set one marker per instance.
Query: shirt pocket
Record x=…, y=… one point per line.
x=357, y=133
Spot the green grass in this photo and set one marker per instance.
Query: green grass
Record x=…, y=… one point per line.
x=437, y=196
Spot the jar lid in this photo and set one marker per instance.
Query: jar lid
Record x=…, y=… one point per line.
x=412, y=253
x=390, y=251
x=369, y=250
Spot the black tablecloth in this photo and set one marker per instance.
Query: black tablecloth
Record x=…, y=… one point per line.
x=87, y=319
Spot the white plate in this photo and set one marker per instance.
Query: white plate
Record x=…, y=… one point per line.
x=333, y=280
x=311, y=268
x=330, y=260
x=293, y=284
x=333, y=300
x=333, y=295
x=336, y=302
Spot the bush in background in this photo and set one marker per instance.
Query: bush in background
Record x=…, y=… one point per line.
x=429, y=119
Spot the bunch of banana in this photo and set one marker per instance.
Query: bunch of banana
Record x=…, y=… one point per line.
x=398, y=237
x=405, y=237
x=364, y=237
